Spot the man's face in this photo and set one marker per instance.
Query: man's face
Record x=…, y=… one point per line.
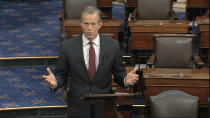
x=90, y=25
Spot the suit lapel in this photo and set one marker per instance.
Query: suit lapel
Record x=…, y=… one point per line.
x=101, y=56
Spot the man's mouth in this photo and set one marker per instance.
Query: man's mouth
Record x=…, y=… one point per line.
x=89, y=33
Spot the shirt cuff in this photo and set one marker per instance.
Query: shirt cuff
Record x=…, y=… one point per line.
x=53, y=87
x=126, y=86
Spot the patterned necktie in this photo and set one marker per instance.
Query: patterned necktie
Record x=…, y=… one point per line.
x=92, y=65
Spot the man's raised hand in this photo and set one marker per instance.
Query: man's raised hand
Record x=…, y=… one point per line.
x=50, y=78
x=132, y=77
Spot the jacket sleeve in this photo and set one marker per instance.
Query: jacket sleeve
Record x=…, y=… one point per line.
x=118, y=70
x=61, y=71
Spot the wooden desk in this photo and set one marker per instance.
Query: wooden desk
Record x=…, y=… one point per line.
x=104, y=3
x=197, y=3
x=192, y=81
x=192, y=6
x=106, y=7
x=142, y=31
x=203, y=23
x=109, y=28
x=131, y=3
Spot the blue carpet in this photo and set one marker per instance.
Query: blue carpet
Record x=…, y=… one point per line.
x=32, y=29
x=25, y=87
x=29, y=29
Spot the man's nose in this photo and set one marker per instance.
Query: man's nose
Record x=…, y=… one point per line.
x=90, y=26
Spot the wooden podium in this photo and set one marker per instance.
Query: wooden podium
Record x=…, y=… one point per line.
x=110, y=100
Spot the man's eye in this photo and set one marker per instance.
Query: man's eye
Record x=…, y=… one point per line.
x=93, y=24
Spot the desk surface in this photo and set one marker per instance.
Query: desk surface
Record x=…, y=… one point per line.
x=158, y=23
x=192, y=81
x=176, y=73
x=197, y=3
x=202, y=20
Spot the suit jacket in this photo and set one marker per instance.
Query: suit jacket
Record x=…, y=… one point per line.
x=71, y=62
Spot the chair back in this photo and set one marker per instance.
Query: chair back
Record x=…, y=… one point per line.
x=73, y=8
x=174, y=51
x=173, y=104
x=154, y=9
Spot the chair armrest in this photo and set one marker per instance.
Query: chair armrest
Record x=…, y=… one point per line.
x=151, y=60
x=198, y=61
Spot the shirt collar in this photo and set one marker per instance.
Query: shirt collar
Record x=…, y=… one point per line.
x=86, y=41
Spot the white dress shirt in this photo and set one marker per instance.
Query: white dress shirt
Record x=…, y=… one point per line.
x=86, y=47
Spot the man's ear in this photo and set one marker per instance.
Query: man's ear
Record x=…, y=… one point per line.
x=100, y=24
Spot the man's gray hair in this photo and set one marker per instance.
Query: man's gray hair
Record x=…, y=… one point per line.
x=92, y=10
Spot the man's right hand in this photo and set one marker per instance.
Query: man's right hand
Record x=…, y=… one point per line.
x=50, y=79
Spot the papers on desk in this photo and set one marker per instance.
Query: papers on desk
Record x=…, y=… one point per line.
x=193, y=23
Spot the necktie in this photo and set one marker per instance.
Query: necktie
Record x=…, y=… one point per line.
x=92, y=65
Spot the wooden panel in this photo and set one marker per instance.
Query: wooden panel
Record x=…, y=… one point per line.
x=73, y=29
x=160, y=29
x=204, y=39
x=203, y=23
x=159, y=23
x=111, y=35
x=197, y=3
x=142, y=31
x=142, y=41
x=192, y=81
x=107, y=14
x=131, y=3
x=104, y=3
x=204, y=27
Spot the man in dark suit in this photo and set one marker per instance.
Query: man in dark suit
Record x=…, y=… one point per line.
x=89, y=59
